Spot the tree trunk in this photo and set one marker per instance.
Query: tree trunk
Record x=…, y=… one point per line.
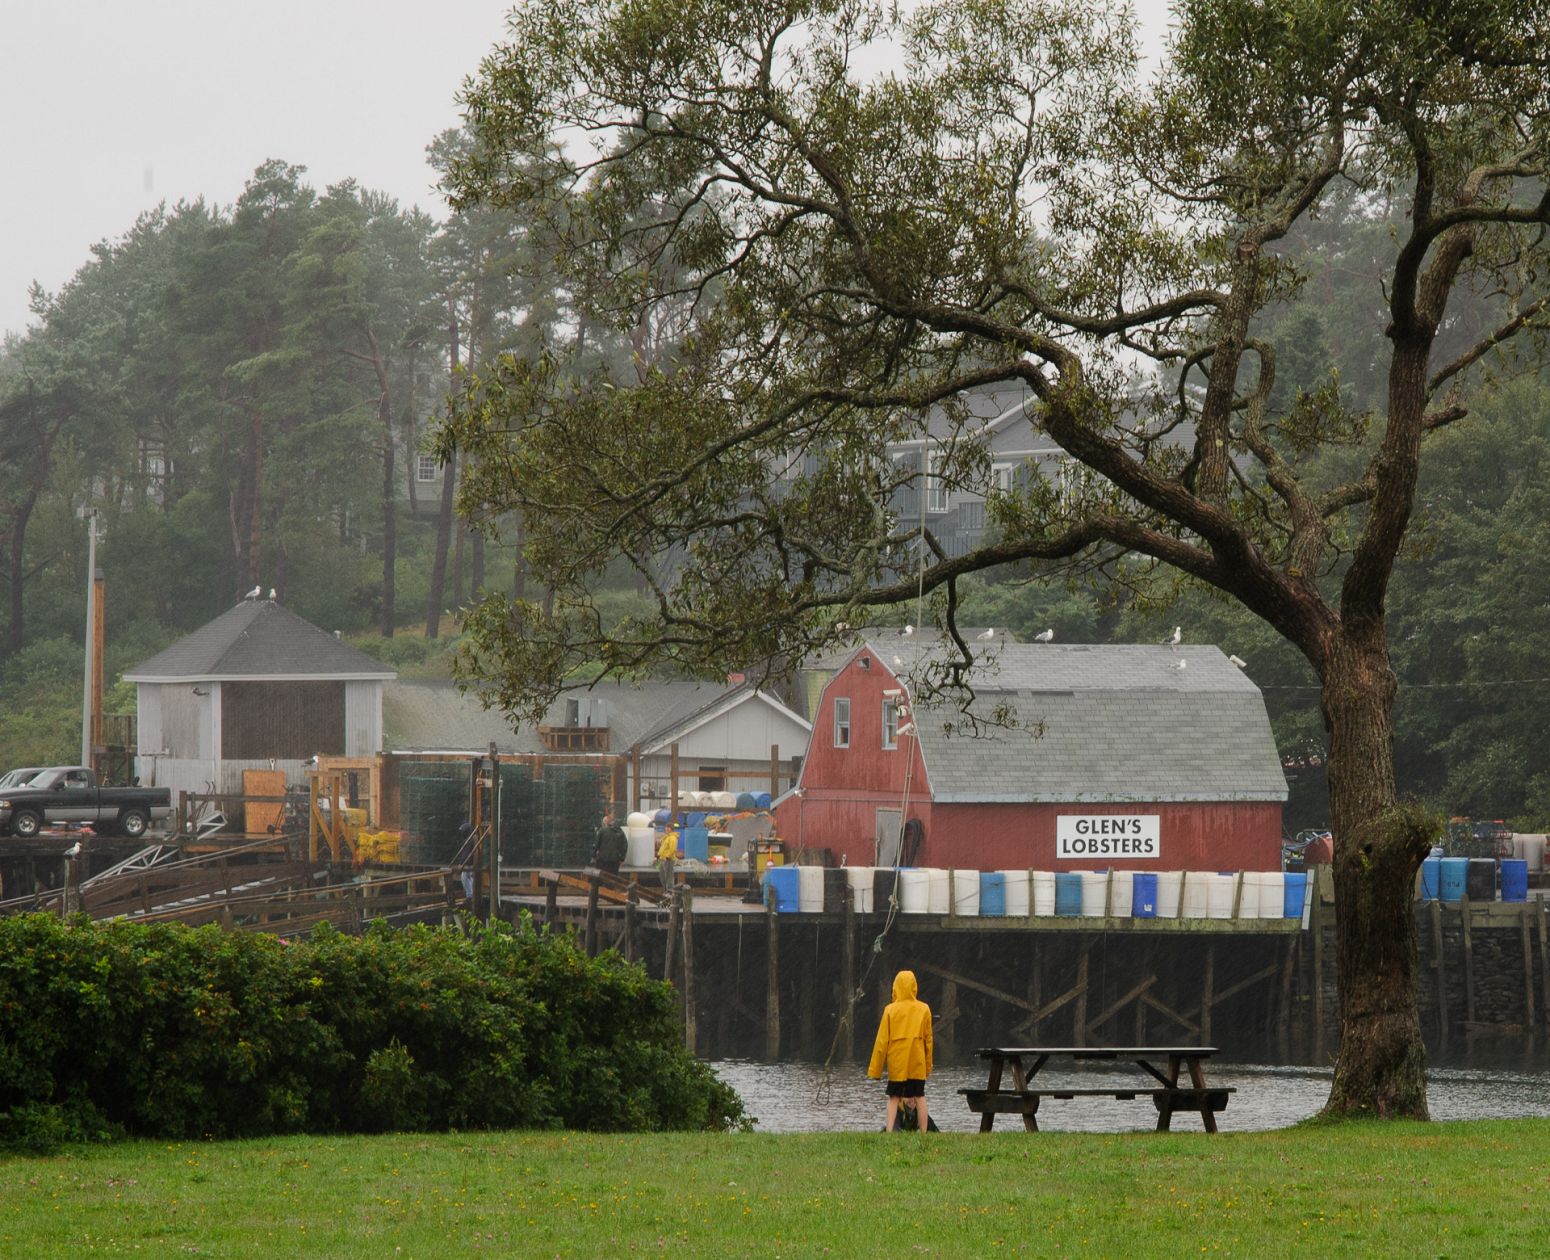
x=389, y=490
x=444, y=515
x=1379, y=844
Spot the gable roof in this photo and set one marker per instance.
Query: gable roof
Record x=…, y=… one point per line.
x=1098, y=723
x=669, y=732
x=437, y=716
x=258, y=641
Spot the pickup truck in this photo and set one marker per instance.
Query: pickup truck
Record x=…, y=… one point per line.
x=67, y=794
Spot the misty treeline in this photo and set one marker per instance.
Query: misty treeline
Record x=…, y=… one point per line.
x=247, y=397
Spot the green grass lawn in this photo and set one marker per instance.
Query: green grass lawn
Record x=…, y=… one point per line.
x=1475, y=1189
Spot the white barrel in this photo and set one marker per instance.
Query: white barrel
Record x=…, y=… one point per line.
x=722, y=800
x=1043, y=885
x=1219, y=895
x=640, y=844
x=1095, y=893
x=966, y=892
x=936, y=890
x=638, y=819
x=1017, y=899
x=1263, y=892
x=1529, y=848
x=1170, y=887
x=1123, y=894
x=914, y=891
x=1192, y=901
x=810, y=889
x=859, y=880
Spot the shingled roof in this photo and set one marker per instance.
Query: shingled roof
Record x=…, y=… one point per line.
x=1097, y=723
x=258, y=641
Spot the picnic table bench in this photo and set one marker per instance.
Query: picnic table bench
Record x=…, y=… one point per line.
x=1164, y=1089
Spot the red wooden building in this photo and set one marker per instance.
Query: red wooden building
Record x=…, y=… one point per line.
x=1073, y=757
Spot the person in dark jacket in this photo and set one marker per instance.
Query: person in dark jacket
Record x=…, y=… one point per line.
x=608, y=853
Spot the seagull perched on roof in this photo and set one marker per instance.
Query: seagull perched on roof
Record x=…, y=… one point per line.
x=1179, y=665
x=908, y=630
x=1239, y=662
x=254, y=593
x=1176, y=638
x=1044, y=636
x=842, y=626
x=271, y=593
x=988, y=634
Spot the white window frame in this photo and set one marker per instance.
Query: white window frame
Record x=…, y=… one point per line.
x=425, y=468
x=842, y=723
x=938, y=496
x=890, y=723
x=1001, y=477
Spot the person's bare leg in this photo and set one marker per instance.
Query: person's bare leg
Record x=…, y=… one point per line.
x=893, y=1113
x=920, y=1113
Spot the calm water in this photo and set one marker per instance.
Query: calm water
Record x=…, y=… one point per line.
x=804, y=1098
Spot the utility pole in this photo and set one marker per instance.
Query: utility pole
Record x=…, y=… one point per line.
x=91, y=686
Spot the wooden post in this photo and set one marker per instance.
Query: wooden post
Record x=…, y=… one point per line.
x=590, y=937
x=1544, y=961
x=1108, y=893
x=771, y=977
x=774, y=771
x=1469, y=975
x=631, y=902
x=635, y=777
x=1438, y=961
x=1206, y=998
x=672, y=781
x=948, y=1020
x=672, y=935
x=1316, y=925
x=952, y=895
x=1284, y=1024
x=552, y=902
x=848, y=980
x=1529, y=1021
x=686, y=924
x=1079, y=1005
x=1034, y=986
x=1237, y=896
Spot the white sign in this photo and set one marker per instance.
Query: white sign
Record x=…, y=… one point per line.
x=1081, y=837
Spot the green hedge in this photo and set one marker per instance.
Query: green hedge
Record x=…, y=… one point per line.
x=115, y=1029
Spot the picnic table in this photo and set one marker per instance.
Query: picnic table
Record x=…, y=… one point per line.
x=1162, y=1064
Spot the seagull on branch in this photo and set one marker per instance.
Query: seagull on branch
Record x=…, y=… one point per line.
x=254, y=593
x=1176, y=638
x=1239, y=662
x=1044, y=636
x=987, y=635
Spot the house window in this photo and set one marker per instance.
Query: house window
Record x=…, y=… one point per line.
x=1001, y=478
x=890, y=723
x=842, y=723
x=425, y=468
x=936, y=490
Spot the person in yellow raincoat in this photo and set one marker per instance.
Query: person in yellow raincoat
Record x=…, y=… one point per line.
x=903, y=1049
x=667, y=851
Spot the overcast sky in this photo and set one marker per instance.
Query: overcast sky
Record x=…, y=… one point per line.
x=108, y=107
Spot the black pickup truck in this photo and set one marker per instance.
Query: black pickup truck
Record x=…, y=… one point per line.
x=69, y=794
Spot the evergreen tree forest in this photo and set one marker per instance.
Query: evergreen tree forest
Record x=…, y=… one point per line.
x=249, y=396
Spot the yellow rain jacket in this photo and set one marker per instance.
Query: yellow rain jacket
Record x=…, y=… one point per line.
x=903, y=1045
x=667, y=847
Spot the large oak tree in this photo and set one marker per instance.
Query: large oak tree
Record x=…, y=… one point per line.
x=867, y=214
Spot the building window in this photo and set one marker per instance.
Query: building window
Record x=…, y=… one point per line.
x=425, y=468
x=937, y=496
x=890, y=723
x=842, y=723
x=1001, y=477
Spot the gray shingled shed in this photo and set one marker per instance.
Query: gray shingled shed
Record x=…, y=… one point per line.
x=257, y=688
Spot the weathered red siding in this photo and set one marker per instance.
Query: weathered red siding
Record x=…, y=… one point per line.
x=1226, y=836
x=843, y=788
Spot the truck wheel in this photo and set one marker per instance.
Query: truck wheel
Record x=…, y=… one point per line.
x=25, y=824
x=133, y=822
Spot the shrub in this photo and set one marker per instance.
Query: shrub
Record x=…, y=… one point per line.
x=115, y=1029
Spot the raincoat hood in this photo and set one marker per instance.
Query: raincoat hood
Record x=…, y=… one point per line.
x=904, y=986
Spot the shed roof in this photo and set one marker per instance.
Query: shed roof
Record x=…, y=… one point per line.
x=258, y=640
x=1096, y=723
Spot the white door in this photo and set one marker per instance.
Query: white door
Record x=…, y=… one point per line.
x=889, y=821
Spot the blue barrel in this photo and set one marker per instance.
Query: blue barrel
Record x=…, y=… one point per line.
x=1480, y=881
x=695, y=842
x=695, y=818
x=1295, y=894
x=761, y=800
x=1451, y=878
x=993, y=892
x=1431, y=878
x=661, y=818
x=1514, y=879
x=1143, y=895
x=784, y=884
x=1068, y=892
